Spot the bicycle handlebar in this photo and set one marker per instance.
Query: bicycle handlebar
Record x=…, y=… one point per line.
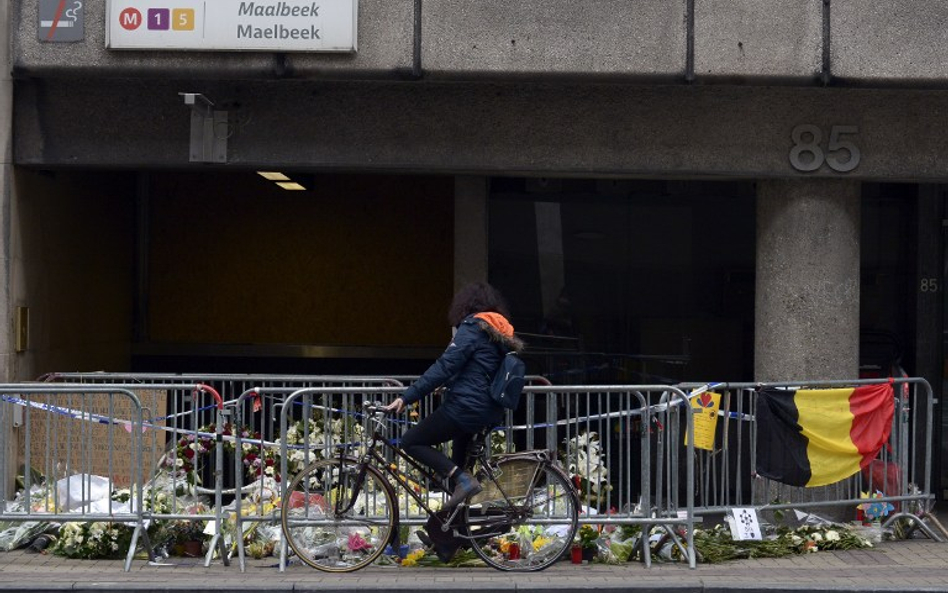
x=375, y=408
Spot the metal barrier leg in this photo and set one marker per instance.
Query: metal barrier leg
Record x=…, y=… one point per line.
x=646, y=546
x=217, y=543
x=919, y=523
x=133, y=546
x=241, y=555
x=930, y=517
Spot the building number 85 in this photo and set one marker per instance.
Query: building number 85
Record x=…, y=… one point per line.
x=841, y=154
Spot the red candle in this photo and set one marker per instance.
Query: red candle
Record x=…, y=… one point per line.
x=513, y=552
x=576, y=554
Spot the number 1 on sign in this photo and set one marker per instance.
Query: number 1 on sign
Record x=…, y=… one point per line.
x=158, y=19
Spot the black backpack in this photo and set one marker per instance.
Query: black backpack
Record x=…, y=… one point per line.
x=508, y=383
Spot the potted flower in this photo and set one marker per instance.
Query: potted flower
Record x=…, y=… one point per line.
x=586, y=543
x=187, y=538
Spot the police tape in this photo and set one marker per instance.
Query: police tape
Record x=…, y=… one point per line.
x=129, y=425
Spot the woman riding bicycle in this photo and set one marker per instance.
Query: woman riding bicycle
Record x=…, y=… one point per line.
x=482, y=336
x=525, y=522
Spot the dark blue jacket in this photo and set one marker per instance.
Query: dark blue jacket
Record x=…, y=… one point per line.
x=466, y=369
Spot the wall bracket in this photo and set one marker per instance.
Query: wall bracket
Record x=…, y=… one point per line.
x=210, y=129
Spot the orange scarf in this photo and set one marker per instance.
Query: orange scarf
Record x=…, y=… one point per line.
x=498, y=322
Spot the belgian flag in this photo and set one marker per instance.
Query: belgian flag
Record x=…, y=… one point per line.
x=814, y=437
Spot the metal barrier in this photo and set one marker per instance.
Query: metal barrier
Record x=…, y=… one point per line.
x=66, y=431
x=606, y=435
x=631, y=449
x=635, y=426
x=614, y=475
x=182, y=421
x=726, y=475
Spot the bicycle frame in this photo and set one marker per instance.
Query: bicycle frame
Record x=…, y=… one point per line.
x=373, y=456
x=361, y=490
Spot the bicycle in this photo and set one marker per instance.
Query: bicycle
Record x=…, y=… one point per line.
x=339, y=514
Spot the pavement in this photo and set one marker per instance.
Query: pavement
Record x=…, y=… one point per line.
x=906, y=565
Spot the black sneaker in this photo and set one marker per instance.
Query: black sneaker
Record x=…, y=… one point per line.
x=424, y=539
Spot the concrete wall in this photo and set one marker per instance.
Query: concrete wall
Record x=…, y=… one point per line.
x=537, y=87
x=734, y=41
x=554, y=128
x=746, y=40
x=7, y=355
x=895, y=43
x=596, y=38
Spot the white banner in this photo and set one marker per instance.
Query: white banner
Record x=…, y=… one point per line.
x=233, y=25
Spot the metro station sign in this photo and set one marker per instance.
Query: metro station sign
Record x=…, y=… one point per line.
x=233, y=25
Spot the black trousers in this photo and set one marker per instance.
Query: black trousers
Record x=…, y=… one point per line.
x=435, y=429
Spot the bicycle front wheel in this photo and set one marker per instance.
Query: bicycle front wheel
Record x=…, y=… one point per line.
x=338, y=515
x=536, y=529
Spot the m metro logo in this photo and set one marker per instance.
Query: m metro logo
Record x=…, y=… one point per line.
x=233, y=25
x=130, y=19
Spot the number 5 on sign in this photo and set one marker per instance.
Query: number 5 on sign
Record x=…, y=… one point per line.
x=841, y=154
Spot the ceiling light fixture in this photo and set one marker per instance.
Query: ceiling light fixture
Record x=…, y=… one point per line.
x=273, y=176
x=291, y=182
x=291, y=185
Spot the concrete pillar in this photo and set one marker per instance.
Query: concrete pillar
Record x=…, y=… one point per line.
x=6, y=200
x=7, y=354
x=470, y=230
x=807, y=309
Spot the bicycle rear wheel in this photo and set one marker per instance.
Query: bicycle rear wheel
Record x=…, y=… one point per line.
x=337, y=518
x=549, y=506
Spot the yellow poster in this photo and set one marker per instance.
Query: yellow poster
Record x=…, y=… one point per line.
x=706, y=419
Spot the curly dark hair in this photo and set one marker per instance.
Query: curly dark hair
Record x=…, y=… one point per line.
x=477, y=297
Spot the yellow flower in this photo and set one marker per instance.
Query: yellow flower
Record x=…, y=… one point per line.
x=540, y=542
x=413, y=557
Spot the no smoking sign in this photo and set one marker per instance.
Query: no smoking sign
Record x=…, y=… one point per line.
x=60, y=21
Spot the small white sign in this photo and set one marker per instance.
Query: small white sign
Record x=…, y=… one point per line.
x=744, y=524
x=233, y=25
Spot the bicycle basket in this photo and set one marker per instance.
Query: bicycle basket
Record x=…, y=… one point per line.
x=517, y=476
